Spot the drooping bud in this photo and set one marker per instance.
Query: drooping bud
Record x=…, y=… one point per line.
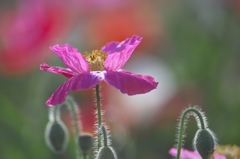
x=204, y=142
x=85, y=142
x=106, y=153
x=56, y=136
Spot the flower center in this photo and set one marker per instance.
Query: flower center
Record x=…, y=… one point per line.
x=96, y=60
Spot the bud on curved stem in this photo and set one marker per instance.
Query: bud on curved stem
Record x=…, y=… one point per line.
x=56, y=133
x=55, y=123
x=204, y=143
x=85, y=142
x=201, y=122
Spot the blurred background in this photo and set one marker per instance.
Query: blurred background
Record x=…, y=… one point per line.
x=190, y=47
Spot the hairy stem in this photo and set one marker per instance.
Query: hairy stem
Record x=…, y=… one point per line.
x=99, y=114
x=181, y=129
x=104, y=135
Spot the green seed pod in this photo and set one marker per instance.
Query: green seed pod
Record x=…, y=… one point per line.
x=56, y=136
x=85, y=142
x=106, y=153
x=204, y=142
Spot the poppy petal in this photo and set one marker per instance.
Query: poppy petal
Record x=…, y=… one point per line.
x=71, y=58
x=57, y=70
x=130, y=83
x=185, y=154
x=81, y=81
x=119, y=53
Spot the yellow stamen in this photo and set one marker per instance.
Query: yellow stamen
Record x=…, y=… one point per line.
x=96, y=60
x=229, y=151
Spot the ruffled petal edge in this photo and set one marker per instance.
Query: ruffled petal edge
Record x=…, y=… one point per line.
x=130, y=83
x=70, y=56
x=120, y=52
x=57, y=70
x=78, y=82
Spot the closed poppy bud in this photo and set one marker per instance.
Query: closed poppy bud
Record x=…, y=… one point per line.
x=106, y=152
x=85, y=142
x=204, y=142
x=56, y=136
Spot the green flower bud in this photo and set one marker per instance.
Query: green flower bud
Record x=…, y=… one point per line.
x=85, y=142
x=106, y=153
x=204, y=142
x=56, y=136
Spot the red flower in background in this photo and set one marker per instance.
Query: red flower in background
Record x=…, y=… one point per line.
x=26, y=33
x=124, y=20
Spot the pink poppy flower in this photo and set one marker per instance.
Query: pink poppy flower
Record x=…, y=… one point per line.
x=186, y=154
x=87, y=70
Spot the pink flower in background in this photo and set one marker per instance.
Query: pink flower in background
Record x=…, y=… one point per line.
x=27, y=30
x=87, y=70
x=186, y=154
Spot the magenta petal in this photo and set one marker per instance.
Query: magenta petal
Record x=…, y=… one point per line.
x=119, y=53
x=81, y=81
x=130, y=83
x=115, y=47
x=217, y=156
x=185, y=154
x=57, y=70
x=71, y=58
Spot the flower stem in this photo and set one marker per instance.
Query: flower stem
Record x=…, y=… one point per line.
x=182, y=122
x=99, y=113
x=52, y=114
x=74, y=111
x=104, y=135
